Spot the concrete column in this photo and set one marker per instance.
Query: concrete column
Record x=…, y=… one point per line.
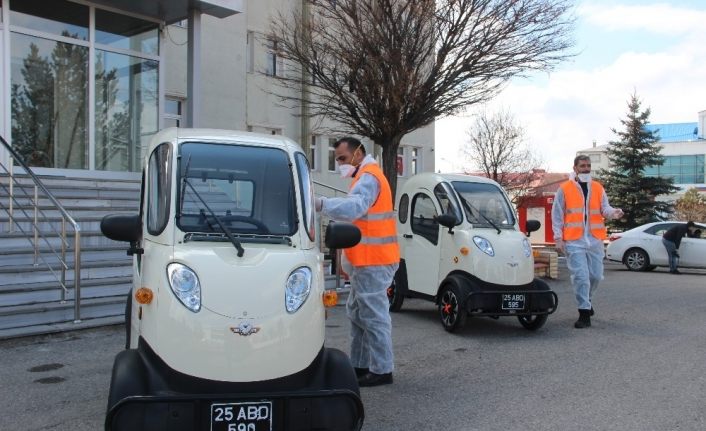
x=193, y=70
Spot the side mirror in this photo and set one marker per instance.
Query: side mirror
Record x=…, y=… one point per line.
x=447, y=220
x=341, y=235
x=123, y=227
x=532, y=226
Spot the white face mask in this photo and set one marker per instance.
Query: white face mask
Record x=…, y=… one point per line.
x=346, y=170
x=584, y=178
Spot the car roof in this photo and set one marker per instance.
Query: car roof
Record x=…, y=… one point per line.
x=430, y=179
x=222, y=136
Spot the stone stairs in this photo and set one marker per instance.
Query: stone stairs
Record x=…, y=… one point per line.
x=30, y=291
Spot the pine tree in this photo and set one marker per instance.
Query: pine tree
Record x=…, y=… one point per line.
x=625, y=182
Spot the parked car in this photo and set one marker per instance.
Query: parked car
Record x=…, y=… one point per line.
x=225, y=319
x=462, y=247
x=641, y=248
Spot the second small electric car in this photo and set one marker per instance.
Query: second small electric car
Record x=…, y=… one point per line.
x=226, y=316
x=462, y=247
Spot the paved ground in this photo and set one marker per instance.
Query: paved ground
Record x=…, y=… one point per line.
x=641, y=366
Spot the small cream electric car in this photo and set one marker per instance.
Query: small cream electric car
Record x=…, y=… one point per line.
x=461, y=247
x=226, y=317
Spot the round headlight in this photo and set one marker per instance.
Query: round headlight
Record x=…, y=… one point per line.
x=526, y=247
x=484, y=245
x=297, y=289
x=185, y=285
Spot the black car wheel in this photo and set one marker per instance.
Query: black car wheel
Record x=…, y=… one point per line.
x=533, y=321
x=636, y=259
x=452, y=308
x=395, y=296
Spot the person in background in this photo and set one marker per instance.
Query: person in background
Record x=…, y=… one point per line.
x=371, y=264
x=672, y=240
x=578, y=212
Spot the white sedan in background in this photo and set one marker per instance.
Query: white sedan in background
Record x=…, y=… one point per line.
x=641, y=248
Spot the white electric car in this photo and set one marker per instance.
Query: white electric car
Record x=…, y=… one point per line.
x=226, y=317
x=462, y=247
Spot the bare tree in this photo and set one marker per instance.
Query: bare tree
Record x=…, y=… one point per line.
x=691, y=206
x=496, y=150
x=384, y=68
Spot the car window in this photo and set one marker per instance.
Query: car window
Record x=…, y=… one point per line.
x=251, y=189
x=447, y=199
x=484, y=202
x=307, y=192
x=424, y=215
x=403, y=208
x=159, y=177
x=660, y=229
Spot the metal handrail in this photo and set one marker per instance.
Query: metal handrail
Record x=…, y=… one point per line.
x=330, y=187
x=65, y=217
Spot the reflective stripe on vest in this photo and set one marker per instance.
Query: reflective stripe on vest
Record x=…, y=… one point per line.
x=574, y=216
x=378, y=228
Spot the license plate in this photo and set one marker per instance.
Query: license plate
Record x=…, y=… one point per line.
x=513, y=301
x=246, y=416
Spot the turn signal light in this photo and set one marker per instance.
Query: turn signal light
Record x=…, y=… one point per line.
x=144, y=295
x=330, y=298
x=464, y=251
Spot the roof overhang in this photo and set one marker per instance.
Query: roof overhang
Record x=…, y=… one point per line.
x=170, y=11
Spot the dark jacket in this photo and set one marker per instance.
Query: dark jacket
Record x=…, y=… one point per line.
x=676, y=233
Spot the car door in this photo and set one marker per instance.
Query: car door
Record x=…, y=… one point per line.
x=692, y=251
x=651, y=241
x=421, y=244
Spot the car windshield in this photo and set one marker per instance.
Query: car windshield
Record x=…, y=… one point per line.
x=250, y=189
x=485, y=204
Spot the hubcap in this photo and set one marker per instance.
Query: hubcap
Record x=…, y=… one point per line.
x=635, y=260
x=449, y=308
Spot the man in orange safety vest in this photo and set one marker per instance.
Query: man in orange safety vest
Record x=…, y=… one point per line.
x=578, y=212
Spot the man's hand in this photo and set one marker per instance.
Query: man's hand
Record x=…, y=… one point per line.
x=618, y=213
x=560, y=245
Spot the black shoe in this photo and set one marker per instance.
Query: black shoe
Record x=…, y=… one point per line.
x=676, y=271
x=360, y=372
x=372, y=379
x=584, y=319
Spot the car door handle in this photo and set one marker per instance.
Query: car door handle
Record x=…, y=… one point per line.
x=407, y=235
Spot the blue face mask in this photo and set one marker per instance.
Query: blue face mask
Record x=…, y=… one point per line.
x=584, y=178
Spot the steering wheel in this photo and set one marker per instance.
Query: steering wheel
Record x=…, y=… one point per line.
x=261, y=227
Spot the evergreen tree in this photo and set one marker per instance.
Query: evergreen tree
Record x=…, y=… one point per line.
x=625, y=181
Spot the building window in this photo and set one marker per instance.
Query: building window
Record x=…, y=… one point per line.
x=415, y=162
x=595, y=158
x=275, y=65
x=313, y=153
x=331, y=155
x=250, y=52
x=264, y=130
x=685, y=169
x=173, y=111
x=400, y=161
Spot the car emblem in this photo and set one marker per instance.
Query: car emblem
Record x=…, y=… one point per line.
x=512, y=264
x=245, y=329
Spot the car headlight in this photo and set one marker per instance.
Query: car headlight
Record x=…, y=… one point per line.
x=526, y=247
x=297, y=288
x=185, y=285
x=484, y=245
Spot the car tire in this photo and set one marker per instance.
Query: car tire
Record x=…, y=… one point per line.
x=533, y=321
x=636, y=259
x=651, y=268
x=396, y=291
x=452, y=307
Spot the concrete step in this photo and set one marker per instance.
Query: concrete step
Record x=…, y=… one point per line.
x=26, y=224
x=26, y=204
x=77, y=213
x=18, y=274
x=49, y=313
x=33, y=293
x=51, y=181
x=49, y=237
x=25, y=257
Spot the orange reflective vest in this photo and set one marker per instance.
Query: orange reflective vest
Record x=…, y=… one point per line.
x=378, y=228
x=574, y=211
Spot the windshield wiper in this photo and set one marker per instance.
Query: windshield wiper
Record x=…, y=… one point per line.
x=233, y=240
x=469, y=207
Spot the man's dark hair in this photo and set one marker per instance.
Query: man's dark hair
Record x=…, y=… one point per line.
x=351, y=142
x=580, y=157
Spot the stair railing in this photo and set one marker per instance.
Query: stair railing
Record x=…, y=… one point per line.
x=37, y=236
x=336, y=192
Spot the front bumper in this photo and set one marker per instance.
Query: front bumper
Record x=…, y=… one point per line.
x=146, y=394
x=489, y=303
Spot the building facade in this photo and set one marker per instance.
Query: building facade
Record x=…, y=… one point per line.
x=85, y=84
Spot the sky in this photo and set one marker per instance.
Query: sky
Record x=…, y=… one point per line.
x=655, y=49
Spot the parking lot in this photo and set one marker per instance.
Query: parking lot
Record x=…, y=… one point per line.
x=641, y=366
